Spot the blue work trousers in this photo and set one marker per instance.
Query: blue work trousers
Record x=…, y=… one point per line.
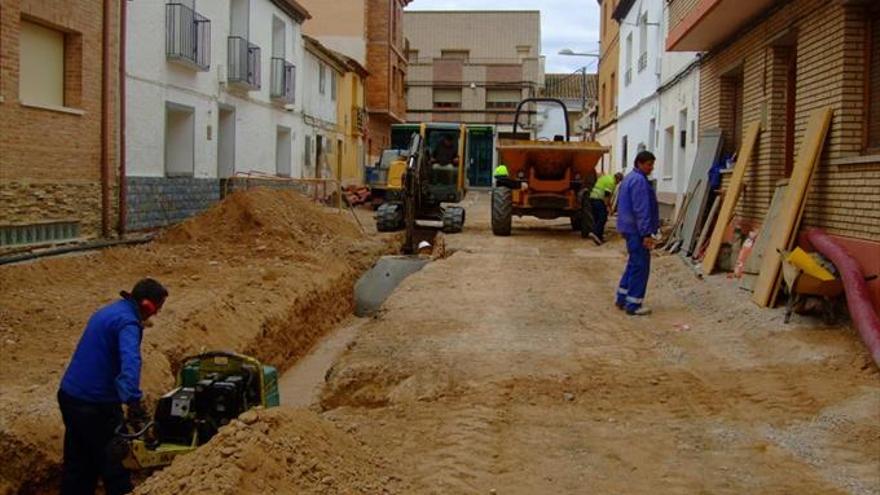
x=634, y=283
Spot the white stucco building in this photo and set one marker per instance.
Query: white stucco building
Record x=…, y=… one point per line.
x=322, y=134
x=212, y=90
x=658, y=94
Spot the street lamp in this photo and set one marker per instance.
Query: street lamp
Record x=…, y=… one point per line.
x=570, y=53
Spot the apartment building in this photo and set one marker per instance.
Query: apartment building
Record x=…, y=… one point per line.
x=606, y=130
x=775, y=62
x=656, y=100
x=322, y=134
x=211, y=92
x=473, y=66
x=59, y=66
x=352, y=118
x=371, y=33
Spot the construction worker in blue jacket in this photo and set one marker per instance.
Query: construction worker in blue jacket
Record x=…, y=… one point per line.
x=104, y=373
x=638, y=219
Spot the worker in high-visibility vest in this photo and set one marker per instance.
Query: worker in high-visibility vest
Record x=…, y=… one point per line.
x=502, y=178
x=600, y=203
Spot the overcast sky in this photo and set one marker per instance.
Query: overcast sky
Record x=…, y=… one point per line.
x=564, y=24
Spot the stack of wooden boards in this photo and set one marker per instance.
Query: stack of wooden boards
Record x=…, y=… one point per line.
x=779, y=229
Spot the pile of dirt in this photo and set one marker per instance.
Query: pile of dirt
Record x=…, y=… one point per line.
x=280, y=451
x=261, y=215
x=264, y=272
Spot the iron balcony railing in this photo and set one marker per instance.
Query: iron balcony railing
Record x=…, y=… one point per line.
x=187, y=36
x=244, y=63
x=359, y=118
x=643, y=61
x=283, y=84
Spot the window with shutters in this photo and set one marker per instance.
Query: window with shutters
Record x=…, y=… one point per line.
x=447, y=98
x=502, y=99
x=872, y=123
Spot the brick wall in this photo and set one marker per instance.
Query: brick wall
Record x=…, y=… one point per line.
x=827, y=39
x=50, y=166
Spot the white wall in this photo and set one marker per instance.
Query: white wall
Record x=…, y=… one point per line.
x=320, y=114
x=153, y=81
x=642, y=100
x=680, y=97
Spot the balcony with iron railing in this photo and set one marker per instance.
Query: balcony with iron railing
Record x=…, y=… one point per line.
x=283, y=87
x=643, y=61
x=187, y=37
x=359, y=119
x=244, y=64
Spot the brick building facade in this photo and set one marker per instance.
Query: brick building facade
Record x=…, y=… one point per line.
x=371, y=33
x=775, y=62
x=386, y=62
x=58, y=120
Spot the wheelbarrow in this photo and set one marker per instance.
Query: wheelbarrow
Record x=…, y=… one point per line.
x=805, y=277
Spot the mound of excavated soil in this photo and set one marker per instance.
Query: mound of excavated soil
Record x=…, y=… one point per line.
x=279, y=451
x=264, y=273
x=263, y=214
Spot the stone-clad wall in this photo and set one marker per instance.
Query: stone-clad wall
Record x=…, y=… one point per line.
x=32, y=202
x=158, y=201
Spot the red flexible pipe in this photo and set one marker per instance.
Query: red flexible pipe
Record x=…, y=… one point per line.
x=857, y=298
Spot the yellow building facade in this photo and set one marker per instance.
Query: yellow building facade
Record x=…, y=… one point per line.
x=352, y=117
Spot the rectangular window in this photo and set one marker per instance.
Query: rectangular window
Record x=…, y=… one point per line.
x=447, y=98
x=502, y=99
x=41, y=69
x=624, y=158
x=307, y=154
x=333, y=84
x=872, y=123
x=322, y=78
x=627, y=76
x=455, y=54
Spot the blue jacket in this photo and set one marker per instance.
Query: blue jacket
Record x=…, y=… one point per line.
x=106, y=366
x=637, y=211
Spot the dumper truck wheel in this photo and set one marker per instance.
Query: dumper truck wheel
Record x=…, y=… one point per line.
x=453, y=219
x=389, y=217
x=586, y=219
x=502, y=210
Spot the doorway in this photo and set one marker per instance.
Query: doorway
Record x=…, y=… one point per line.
x=319, y=155
x=179, y=140
x=790, y=110
x=283, y=152
x=226, y=142
x=339, y=152
x=479, y=155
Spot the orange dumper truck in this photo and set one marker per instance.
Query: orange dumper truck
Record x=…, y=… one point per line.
x=546, y=179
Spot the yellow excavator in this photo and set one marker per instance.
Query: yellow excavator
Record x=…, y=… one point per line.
x=428, y=179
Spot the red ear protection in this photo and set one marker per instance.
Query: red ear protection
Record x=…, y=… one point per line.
x=148, y=308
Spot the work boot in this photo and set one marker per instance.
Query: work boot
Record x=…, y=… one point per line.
x=621, y=306
x=595, y=239
x=642, y=311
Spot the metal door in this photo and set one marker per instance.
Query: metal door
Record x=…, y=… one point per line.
x=480, y=143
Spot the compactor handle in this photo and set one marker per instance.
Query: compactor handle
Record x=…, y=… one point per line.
x=121, y=431
x=543, y=100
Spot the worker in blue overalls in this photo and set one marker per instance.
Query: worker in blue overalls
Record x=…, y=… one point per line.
x=103, y=374
x=638, y=219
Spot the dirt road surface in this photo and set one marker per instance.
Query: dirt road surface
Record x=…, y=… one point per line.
x=506, y=369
